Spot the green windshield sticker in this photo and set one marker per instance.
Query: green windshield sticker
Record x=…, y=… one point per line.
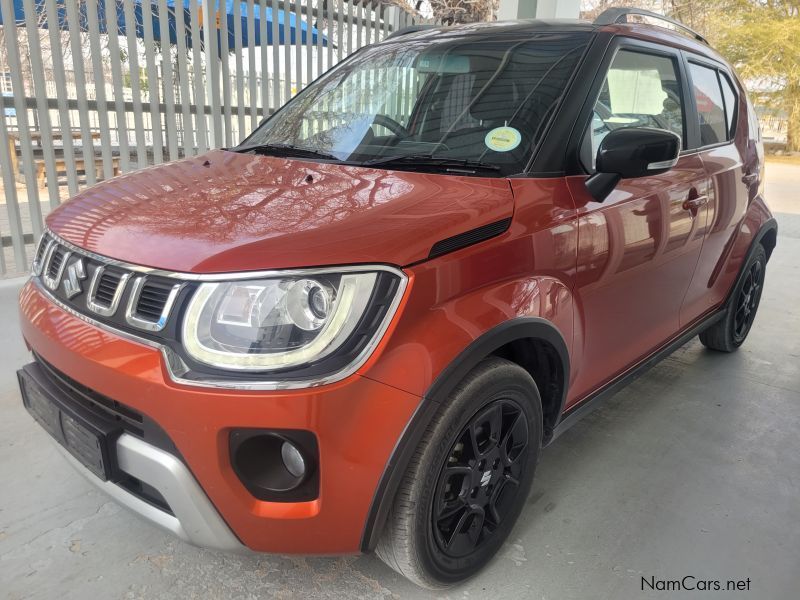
x=503, y=139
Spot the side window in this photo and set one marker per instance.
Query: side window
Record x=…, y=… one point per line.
x=731, y=104
x=640, y=90
x=752, y=121
x=710, y=108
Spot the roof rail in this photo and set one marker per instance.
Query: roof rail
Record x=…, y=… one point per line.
x=611, y=16
x=409, y=29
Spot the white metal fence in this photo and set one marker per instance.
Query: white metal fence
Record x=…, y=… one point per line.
x=92, y=88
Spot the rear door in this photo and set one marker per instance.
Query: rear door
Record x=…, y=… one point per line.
x=638, y=249
x=720, y=119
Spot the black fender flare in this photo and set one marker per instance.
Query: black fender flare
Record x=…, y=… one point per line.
x=769, y=226
x=437, y=394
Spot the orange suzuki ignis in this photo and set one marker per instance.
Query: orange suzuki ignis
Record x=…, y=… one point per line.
x=356, y=330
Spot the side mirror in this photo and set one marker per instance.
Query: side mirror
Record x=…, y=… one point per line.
x=632, y=152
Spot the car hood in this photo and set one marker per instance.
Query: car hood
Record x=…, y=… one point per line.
x=224, y=211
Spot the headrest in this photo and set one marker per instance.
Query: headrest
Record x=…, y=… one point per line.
x=500, y=100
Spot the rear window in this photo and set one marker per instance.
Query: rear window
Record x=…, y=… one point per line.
x=714, y=128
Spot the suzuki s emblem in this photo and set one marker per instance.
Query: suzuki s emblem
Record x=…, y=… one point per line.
x=75, y=273
x=486, y=478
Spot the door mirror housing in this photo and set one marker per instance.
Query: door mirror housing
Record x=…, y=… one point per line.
x=632, y=152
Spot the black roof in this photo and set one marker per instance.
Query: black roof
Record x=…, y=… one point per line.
x=527, y=26
x=494, y=28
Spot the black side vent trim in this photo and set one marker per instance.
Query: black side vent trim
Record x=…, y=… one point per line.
x=473, y=236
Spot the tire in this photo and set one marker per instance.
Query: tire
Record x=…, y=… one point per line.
x=477, y=501
x=726, y=335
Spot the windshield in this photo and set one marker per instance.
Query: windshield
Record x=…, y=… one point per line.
x=466, y=105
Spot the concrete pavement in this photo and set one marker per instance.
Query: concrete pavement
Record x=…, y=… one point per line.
x=692, y=470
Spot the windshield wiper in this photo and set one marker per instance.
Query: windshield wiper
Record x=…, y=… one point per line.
x=427, y=160
x=285, y=150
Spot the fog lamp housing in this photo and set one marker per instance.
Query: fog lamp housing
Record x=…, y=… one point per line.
x=277, y=465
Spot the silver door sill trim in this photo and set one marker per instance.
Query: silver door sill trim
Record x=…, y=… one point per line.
x=195, y=519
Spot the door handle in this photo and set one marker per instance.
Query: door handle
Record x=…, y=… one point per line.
x=749, y=178
x=694, y=204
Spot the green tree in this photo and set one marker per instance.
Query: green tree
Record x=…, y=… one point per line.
x=762, y=39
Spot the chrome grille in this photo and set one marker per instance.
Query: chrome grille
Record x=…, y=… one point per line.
x=107, y=287
x=152, y=299
x=55, y=262
x=104, y=289
x=40, y=251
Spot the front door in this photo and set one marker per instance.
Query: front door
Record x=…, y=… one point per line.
x=638, y=249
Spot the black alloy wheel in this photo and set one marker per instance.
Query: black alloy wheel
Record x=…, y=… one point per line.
x=727, y=334
x=747, y=302
x=469, y=478
x=480, y=478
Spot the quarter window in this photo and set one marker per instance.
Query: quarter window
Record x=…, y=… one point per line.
x=714, y=128
x=729, y=96
x=752, y=122
x=640, y=90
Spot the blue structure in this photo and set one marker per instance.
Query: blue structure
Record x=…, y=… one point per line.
x=179, y=13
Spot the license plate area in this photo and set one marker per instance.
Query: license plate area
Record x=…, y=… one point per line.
x=88, y=438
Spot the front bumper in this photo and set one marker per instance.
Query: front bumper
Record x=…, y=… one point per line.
x=194, y=519
x=94, y=435
x=357, y=422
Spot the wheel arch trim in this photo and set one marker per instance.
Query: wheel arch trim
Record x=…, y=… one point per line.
x=509, y=331
x=768, y=227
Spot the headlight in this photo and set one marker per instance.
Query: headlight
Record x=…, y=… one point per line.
x=287, y=322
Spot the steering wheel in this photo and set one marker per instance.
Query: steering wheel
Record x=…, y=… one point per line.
x=392, y=125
